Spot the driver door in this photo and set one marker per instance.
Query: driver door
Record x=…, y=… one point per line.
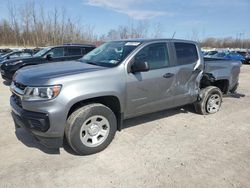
x=145, y=90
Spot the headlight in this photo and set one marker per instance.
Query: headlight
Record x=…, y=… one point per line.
x=41, y=93
x=14, y=63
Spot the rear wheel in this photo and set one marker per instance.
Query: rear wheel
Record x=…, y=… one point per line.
x=91, y=128
x=210, y=102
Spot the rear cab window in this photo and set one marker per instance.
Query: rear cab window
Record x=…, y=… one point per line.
x=186, y=53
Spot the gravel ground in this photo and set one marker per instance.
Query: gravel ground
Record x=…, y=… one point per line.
x=173, y=148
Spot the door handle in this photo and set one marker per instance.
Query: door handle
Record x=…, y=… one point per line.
x=168, y=75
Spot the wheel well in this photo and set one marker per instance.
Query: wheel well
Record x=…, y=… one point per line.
x=110, y=101
x=209, y=80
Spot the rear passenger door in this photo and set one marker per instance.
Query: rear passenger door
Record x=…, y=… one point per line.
x=187, y=67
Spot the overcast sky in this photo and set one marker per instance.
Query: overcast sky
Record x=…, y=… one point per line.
x=207, y=18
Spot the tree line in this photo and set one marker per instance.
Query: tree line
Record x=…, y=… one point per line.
x=31, y=25
x=228, y=42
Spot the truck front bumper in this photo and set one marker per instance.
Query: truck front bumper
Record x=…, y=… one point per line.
x=34, y=122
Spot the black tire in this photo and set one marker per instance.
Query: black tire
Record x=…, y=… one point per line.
x=205, y=94
x=76, y=121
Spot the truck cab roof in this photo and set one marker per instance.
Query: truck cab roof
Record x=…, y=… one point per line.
x=157, y=40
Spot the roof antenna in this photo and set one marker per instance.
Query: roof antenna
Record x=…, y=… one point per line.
x=173, y=34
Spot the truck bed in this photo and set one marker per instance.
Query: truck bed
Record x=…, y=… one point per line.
x=221, y=69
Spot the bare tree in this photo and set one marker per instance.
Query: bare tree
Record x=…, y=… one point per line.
x=31, y=25
x=132, y=30
x=13, y=22
x=36, y=27
x=157, y=31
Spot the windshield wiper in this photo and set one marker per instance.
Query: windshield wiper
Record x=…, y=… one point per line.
x=91, y=63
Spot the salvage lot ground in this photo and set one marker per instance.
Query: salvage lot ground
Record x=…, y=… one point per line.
x=173, y=148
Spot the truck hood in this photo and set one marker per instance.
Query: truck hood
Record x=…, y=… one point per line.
x=41, y=74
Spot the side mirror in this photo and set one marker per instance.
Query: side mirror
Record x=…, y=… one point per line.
x=139, y=66
x=49, y=56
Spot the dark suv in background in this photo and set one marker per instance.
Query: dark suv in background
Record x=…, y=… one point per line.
x=46, y=55
x=16, y=54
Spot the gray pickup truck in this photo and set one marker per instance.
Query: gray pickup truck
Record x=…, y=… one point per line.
x=86, y=101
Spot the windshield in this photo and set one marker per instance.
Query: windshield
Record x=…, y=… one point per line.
x=42, y=52
x=8, y=54
x=110, y=54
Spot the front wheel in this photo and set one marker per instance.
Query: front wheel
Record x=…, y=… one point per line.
x=210, y=102
x=91, y=128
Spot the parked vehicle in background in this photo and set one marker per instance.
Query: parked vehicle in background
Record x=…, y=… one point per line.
x=86, y=101
x=35, y=50
x=243, y=53
x=16, y=54
x=4, y=51
x=46, y=55
x=210, y=53
x=229, y=55
x=246, y=56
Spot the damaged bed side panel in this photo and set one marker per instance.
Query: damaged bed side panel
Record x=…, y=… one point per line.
x=221, y=73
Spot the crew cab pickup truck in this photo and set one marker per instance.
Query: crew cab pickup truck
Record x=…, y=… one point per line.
x=86, y=101
x=46, y=55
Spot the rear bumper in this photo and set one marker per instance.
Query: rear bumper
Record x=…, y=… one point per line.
x=35, y=123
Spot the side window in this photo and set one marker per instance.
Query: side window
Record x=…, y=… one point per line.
x=74, y=52
x=186, y=53
x=25, y=54
x=57, y=52
x=14, y=55
x=156, y=55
